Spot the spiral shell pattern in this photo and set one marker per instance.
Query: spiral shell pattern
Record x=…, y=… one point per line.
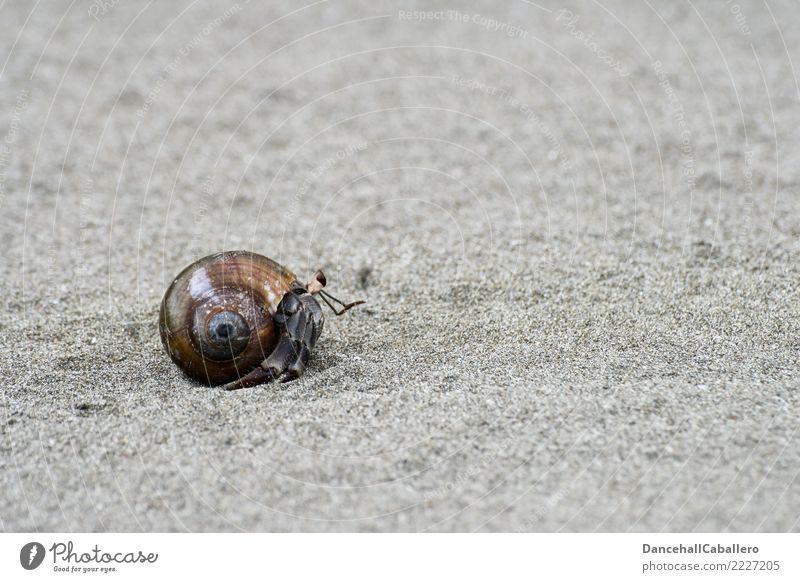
x=216, y=316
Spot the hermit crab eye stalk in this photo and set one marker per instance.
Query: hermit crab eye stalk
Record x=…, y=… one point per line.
x=317, y=282
x=316, y=285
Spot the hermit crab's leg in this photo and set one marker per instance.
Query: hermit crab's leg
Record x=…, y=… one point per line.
x=254, y=378
x=299, y=322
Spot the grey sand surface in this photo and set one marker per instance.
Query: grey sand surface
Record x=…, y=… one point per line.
x=578, y=240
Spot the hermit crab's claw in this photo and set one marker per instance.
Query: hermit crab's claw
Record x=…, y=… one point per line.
x=299, y=321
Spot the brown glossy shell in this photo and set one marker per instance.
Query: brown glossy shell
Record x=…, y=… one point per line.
x=247, y=283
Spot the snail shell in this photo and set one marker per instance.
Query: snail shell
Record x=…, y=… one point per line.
x=216, y=316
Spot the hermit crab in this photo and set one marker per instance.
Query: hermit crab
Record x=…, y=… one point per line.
x=241, y=319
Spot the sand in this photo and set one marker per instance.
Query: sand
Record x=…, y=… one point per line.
x=576, y=228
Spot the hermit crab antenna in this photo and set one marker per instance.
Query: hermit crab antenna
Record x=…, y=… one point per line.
x=315, y=286
x=345, y=306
